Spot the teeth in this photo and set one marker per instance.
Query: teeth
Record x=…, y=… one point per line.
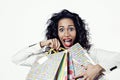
x=67, y=40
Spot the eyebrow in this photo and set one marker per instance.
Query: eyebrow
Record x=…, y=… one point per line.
x=60, y=26
x=68, y=25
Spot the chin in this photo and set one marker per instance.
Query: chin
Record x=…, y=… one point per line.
x=66, y=47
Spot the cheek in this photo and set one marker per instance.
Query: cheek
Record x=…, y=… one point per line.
x=60, y=35
x=73, y=34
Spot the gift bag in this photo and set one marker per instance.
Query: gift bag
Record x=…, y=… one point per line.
x=47, y=70
x=61, y=65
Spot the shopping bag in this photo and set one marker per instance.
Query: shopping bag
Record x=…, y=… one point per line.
x=61, y=65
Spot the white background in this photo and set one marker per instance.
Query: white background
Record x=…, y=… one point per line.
x=22, y=22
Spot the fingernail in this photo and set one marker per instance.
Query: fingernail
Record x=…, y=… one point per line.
x=59, y=49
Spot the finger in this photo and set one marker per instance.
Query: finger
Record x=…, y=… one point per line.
x=58, y=44
x=85, y=77
x=84, y=67
x=88, y=79
x=50, y=43
x=79, y=76
x=76, y=77
x=55, y=43
x=89, y=66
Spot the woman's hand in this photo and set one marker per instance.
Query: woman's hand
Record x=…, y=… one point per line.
x=91, y=72
x=53, y=43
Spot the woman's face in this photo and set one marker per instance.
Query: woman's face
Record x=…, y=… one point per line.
x=66, y=32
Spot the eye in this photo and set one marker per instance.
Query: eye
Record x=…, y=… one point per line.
x=71, y=28
x=61, y=29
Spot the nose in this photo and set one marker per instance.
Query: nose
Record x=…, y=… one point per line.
x=66, y=33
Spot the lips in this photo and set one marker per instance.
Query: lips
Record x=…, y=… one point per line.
x=67, y=42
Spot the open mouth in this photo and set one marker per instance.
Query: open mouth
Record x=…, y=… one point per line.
x=67, y=42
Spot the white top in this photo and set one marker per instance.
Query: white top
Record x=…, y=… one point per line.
x=106, y=59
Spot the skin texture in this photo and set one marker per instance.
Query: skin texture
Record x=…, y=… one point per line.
x=66, y=32
x=67, y=35
x=92, y=72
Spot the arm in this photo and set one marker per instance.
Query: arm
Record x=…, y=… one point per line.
x=27, y=55
x=105, y=62
x=108, y=59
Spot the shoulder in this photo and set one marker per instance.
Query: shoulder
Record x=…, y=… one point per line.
x=99, y=51
x=105, y=55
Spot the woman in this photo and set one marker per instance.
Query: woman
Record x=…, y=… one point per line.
x=64, y=30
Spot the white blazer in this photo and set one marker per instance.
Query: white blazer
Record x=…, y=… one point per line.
x=107, y=59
